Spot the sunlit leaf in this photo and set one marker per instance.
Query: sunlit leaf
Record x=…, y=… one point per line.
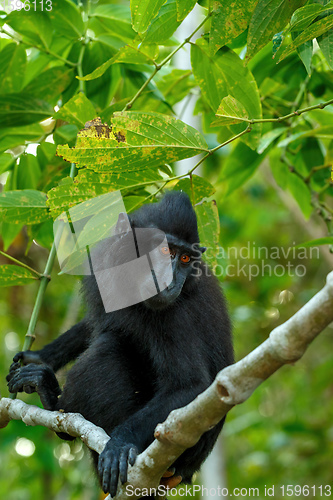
x=230, y=111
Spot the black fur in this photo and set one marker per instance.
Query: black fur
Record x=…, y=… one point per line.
x=137, y=364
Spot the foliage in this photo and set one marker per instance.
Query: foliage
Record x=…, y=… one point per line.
x=99, y=85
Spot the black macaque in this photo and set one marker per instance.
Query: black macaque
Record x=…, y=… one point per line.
x=137, y=364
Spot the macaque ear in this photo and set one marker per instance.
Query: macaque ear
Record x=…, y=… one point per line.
x=123, y=224
x=203, y=249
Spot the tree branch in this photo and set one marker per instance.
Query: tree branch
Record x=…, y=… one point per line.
x=184, y=426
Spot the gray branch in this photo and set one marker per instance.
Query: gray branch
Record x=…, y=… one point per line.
x=184, y=426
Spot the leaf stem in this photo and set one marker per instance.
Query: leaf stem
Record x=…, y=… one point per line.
x=279, y=119
x=212, y=151
x=19, y=263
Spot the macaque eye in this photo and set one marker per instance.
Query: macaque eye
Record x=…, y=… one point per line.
x=165, y=250
x=185, y=259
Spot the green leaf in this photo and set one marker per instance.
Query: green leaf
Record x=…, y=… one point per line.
x=22, y=109
x=66, y=19
x=117, y=19
x=12, y=69
x=143, y=12
x=279, y=169
x=229, y=20
x=51, y=83
x=127, y=54
x=184, y=7
x=324, y=132
x=34, y=25
x=230, y=111
x=88, y=184
x=78, y=110
x=7, y=161
x=196, y=187
x=301, y=193
x=28, y=172
x=269, y=17
x=267, y=139
x=209, y=230
x=8, y=233
x=65, y=134
x=304, y=16
x=314, y=243
x=325, y=42
x=236, y=171
x=313, y=31
x=164, y=25
x=223, y=75
x=134, y=140
x=26, y=206
x=16, y=136
x=304, y=52
x=11, y=275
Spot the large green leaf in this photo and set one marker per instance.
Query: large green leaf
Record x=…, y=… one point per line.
x=229, y=20
x=22, y=109
x=11, y=275
x=143, y=12
x=12, y=68
x=135, y=140
x=269, y=17
x=88, y=184
x=223, y=75
x=27, y=206
x=77, y=111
